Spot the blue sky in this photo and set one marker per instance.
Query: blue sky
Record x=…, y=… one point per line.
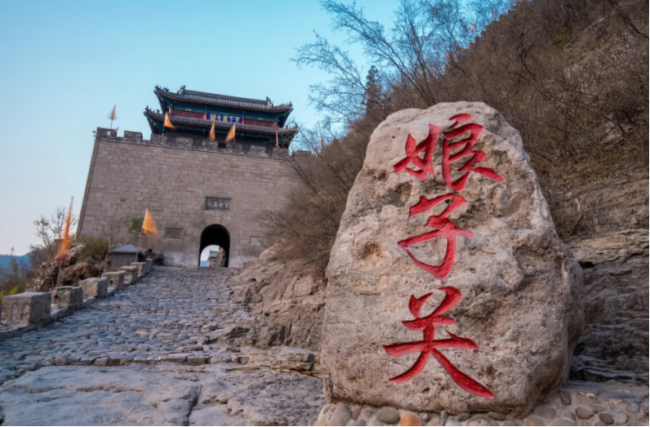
x=64, y=64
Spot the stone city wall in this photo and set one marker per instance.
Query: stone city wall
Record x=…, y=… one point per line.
x=172, y=177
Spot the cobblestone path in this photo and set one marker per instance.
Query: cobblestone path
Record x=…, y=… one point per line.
x=175, y=336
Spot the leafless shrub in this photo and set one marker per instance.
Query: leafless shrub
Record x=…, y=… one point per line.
x=48, y=230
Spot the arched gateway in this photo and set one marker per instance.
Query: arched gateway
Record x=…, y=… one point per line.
x=215, y=235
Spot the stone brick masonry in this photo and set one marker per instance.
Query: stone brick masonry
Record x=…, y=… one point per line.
x=173, y=178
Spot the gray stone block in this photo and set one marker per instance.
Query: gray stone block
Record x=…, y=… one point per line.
x=95, y=287
x=148, y=265
x=130, y=275
x=71, y=297
x=141, y=268
x=27, y=308
x=115, y=279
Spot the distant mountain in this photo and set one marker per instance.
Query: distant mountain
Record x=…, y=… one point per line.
x=5, y=260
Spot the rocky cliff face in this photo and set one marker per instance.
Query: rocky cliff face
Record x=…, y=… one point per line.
x=614, y=344
x=602, y=207
x=287, y=300
x=606, y=226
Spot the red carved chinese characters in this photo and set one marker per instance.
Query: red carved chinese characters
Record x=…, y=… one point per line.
x=413, y=155
x=429, y=345
x=467, y=144
x=443, y=227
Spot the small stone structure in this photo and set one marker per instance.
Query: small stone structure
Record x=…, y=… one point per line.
x=149, y=265
x=27, y=308
x=115, y=279
x=130, y=274
x=95, y=287
x=68, y=297
x=124, y=255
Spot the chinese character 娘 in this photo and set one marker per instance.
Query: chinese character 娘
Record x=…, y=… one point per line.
x=466, y=146
x=413, y=151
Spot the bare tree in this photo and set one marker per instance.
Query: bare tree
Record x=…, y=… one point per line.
x=48, y=230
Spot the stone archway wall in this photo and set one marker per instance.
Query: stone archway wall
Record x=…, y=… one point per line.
x=216, y=234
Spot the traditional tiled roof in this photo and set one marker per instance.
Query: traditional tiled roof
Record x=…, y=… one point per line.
x=159, y=117
x=223, y=100
x=126, y=249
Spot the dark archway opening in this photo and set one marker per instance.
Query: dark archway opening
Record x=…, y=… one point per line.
x=215, y=235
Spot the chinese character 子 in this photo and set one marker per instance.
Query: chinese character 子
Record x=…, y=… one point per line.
x=465, y=145
x=445, y=228
x=429, y=346
x=413, y=151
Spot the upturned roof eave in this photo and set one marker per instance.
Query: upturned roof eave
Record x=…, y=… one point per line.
x=284, y=109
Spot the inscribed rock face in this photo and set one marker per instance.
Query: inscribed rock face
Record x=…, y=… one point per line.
x=448, y=287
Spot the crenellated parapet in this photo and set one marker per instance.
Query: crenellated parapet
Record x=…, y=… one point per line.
x=196, y=144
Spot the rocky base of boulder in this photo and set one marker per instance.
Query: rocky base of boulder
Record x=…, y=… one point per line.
x=576, y=404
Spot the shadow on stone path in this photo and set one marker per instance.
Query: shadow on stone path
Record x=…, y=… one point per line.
x=158, y=353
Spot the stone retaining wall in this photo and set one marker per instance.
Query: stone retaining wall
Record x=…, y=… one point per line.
x=27, y=311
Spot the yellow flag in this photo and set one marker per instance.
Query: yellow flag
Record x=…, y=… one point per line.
x=65, y=235
x=212, y=135
x=149, y=226
x=231, y=134
x=168, y=123
x=112, y=116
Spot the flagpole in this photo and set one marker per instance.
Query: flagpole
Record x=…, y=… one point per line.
x=58, y=276
x=141, y=227
x=112, y=117
x=136, y=246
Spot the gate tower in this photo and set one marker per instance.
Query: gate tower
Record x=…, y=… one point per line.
x=194, y=187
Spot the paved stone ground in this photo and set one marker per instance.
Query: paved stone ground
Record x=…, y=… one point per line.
x=176, y=350
x=170, y=350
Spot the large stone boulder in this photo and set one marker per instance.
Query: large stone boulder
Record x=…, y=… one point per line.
x=511, y=291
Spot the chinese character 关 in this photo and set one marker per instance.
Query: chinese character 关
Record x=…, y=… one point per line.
x=429, y=346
